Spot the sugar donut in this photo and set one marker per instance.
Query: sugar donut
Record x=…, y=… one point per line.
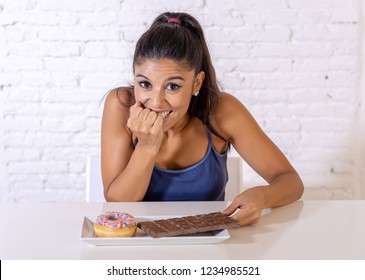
x=115, y=224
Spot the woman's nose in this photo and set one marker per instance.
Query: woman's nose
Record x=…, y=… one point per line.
x=157, y=99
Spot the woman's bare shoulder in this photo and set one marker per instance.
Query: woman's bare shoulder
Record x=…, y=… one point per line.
x=229, y=114
x=121, y=98
x=116, y=111
x=228, y=106
x=226, y=100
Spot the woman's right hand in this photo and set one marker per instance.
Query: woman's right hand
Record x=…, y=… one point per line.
x=146, y=125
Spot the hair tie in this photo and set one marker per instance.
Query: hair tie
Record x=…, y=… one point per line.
x=174, y=20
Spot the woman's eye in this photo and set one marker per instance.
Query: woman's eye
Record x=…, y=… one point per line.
x=144, y=84
x=172, y=87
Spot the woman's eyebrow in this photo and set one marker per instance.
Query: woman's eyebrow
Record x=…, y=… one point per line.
x=167, y=79
x=142, y=76
x=175, y=78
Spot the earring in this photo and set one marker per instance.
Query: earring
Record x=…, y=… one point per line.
x=196, y=94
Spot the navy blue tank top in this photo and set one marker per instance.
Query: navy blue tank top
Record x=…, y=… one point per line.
x=203, y=181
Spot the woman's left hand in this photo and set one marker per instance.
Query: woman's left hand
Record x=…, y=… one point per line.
x=249, y=205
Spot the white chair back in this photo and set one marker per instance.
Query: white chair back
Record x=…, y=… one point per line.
x=235, y=177
x=94, y=184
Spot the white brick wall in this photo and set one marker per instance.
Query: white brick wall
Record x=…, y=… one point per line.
x=296, y=64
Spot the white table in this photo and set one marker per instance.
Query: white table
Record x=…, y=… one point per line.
x=301, y=230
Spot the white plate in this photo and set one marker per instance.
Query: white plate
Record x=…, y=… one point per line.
x=88, y=235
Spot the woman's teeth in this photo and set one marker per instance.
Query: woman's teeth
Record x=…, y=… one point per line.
x=164, y=114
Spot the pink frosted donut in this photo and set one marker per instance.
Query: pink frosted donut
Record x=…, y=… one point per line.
x=115, y=224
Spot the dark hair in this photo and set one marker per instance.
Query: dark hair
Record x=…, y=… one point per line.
x=184, y=43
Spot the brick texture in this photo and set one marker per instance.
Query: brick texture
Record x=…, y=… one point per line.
x=296, y=65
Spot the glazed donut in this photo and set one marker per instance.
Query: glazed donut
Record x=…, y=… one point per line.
x=115, y=224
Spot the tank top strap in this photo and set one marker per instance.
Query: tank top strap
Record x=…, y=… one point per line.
x=210, y=139
x=212, y=147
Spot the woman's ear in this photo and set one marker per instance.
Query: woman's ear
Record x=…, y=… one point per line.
x=198, y=82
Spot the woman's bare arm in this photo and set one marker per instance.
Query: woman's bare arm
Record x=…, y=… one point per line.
x=126, y=171
x=284, y=184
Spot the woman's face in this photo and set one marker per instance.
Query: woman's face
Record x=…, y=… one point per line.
x=166, y=87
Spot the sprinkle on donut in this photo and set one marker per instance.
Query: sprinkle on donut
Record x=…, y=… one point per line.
x=116, y=220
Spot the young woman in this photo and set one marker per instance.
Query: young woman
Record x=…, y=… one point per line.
x=166, y=137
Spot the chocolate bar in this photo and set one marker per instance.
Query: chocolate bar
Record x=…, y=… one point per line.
x=187, y=225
